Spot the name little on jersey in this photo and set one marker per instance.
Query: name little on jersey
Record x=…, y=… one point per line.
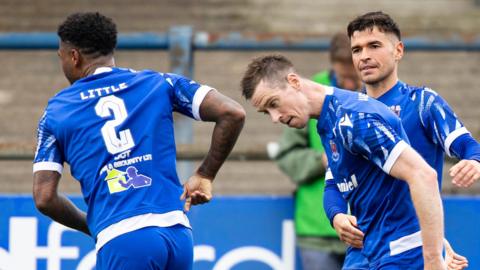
x=102, y=91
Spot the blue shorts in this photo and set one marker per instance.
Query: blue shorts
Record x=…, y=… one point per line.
x=150, y=248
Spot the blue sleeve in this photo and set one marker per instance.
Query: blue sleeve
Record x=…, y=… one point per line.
x=375, y=139
x=466, y=147
x=48, y=155
x=333, y=201
x=187, y=95
x=441, y=123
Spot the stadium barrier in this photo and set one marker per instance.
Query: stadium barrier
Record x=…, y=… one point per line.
x=181, y=43
x=230, y=233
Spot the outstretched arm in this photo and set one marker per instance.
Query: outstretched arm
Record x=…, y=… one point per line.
x=423, y=184
x=229, y=117
x=56, y=206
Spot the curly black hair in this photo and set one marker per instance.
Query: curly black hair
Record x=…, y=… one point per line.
x=90, y=32
x=379, y=19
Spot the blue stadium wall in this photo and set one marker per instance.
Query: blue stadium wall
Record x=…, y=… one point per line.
x=231, y=232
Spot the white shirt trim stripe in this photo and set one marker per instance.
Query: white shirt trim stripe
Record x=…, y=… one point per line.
x=405, y=243
x=141, y=221
x=197, y=100
x=47, y=166
x=451, y=138
x=394, y=154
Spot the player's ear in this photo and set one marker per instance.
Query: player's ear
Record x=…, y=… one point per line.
x=76, y=57
x=399, y=48
x=293, y=80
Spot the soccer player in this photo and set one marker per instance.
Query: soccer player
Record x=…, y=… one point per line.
x=431, y=125
x=368, y=153
x=302, y=158
x=114, y=127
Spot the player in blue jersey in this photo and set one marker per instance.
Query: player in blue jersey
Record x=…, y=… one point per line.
x=368, y=153
x=431, y=125
x=114, y=127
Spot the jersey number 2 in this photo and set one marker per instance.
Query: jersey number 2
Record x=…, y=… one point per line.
x=104, y=108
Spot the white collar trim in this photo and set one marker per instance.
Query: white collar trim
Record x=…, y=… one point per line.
x=102, y=70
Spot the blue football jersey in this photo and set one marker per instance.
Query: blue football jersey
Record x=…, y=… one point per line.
x=363, y=139
x=115, y=130
x=430, y=123
x=432, y=128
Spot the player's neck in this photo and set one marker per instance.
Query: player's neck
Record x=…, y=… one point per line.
x=316, y=94
x=90, y=68
x=377, y=89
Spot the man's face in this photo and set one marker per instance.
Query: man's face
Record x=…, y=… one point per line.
x=375, y=54
x=287, y=104
x=346, y=74
x=67, y=59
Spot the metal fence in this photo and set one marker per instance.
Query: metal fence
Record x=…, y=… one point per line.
x=182, y=41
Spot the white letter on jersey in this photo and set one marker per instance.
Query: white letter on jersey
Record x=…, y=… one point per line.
x=104, y=107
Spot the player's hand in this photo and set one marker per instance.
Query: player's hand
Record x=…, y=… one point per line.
x=197, y=190
x=347, y=229
x=465, y=172
x=453, y=260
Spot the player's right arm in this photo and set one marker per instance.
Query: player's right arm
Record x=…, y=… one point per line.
x=47, y=168
x=54, y=205
x=336, y=209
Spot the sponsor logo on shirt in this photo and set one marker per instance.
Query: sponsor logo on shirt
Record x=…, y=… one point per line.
x=117, y=180
x=346, y=186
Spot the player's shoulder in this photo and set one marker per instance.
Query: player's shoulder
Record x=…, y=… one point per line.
x=420, y=93
x=360, y=104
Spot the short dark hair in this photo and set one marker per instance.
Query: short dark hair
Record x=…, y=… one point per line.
x=269, y=67
x=340, y=49
x=90, y=32
x=369, y=20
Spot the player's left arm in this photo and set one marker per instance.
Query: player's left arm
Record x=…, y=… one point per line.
x=423, y=184
x=229, y=117
x=445, y=128
x=58, y=207
x=379, y=141
x=204, y=103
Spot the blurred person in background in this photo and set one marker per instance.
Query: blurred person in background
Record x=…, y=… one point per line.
x=431, y=125
x=114, y=127
x=301, y=156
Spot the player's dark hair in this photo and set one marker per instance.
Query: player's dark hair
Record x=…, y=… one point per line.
x=340, y=49
x=377, y=19
x=269, y=67
x=90, y=32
